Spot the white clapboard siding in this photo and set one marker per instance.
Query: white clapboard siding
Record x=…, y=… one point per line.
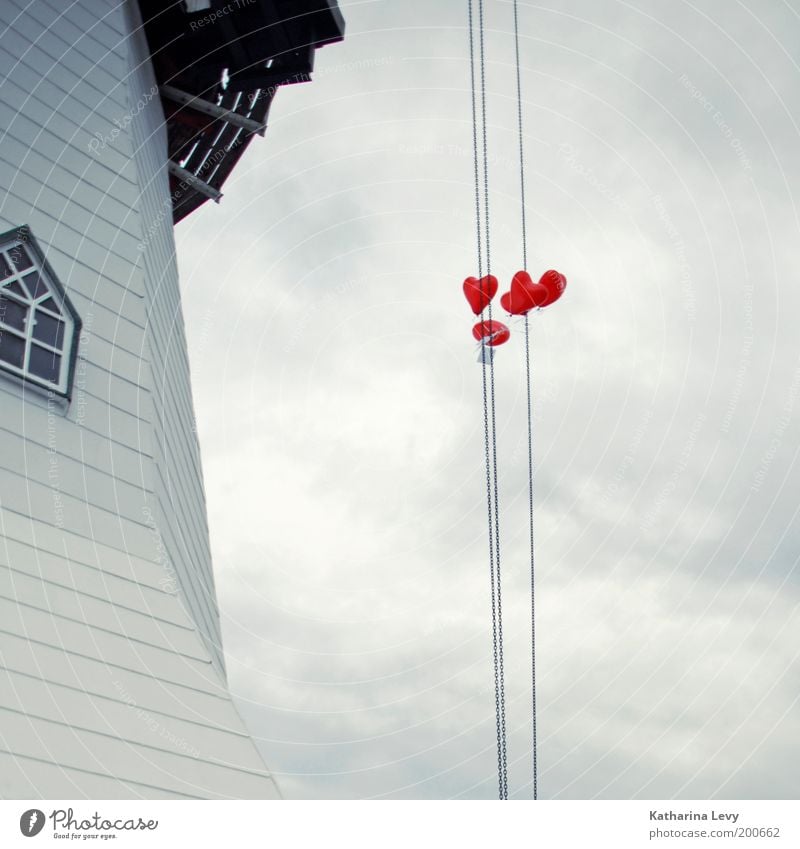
x=126, y=719
x=88, y=411
x=106, y=48
x=39, y=535
x=39, y=120
x=110, y=644
x=23, y=777
x=113, y=328
x=104, y=524
x=70, y=605
x=100, y=20
x=109, y=357
x=103, y=446
x=44, y=49
x=100, y=187
x=94, y=750
x=74, y=477
x=112, y=681
x=98, y=183
x=179, y=485
x=194, y=698
x=48, y=569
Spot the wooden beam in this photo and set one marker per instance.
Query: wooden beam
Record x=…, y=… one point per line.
x=193, y=181
x=199, y=104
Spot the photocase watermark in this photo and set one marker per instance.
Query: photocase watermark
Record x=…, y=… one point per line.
x=569, y=155
x=168, y=205
x=679, y=247
x=745, y=359
x=31, y=822
x=168, y=582
x=213, y=17
x=154, y=724
x=630, y=456
x=268, y=92
x=672, y=481
x=207, y=325
x=719, y=119
x=67, y=826
x=53, y=414
x=431, y=149
x=779, y=430
x=16, y=252
x=440, y=623
x=357, y=65
x=102, y=140
x=81, y=364
x=155, y=224
x=547, y=390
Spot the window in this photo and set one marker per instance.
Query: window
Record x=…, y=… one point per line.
x=38, y=324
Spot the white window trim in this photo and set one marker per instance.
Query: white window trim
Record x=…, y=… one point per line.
x=72, y=324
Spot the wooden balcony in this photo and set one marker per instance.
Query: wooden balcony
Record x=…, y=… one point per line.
x=218, y=69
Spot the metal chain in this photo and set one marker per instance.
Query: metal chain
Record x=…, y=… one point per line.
x=475, y=139
x=485, y=402
x=521, y=145
x=498, y=590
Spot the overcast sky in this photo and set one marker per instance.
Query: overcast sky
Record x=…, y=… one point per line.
x=339, y=408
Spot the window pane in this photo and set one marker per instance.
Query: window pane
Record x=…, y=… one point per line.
x=50, y=304
x=48, y=330
x=44, y=364
x=35, y=285
x=16, y=288
x=12, y=348
x=19, y=257
x=5, y=268
x=12, y=313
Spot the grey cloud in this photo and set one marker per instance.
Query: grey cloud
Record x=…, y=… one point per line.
x=338, y=406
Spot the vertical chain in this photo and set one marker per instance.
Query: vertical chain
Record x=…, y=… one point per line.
x=499, y=596
x=499, y=717
x=521, y=144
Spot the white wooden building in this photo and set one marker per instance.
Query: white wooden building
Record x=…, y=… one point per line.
x=112, y=674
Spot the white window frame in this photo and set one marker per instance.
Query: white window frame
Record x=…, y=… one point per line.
x=21, y=239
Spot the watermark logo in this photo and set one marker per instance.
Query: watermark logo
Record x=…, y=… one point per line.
x=570, y=157
x=66, y=825
x=726, y=130
x=31, y=822
x=101, y=141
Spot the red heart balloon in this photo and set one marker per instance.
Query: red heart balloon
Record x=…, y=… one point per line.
x=480, y=292
x=554, y=283
x=524, y=294
x=493, y=332
x=515, y=303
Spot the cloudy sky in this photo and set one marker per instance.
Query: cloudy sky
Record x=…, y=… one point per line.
x=339, y=406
